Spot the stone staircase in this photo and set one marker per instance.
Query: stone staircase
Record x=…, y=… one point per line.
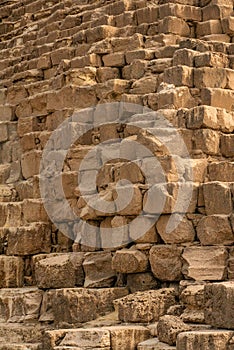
x=177, y=59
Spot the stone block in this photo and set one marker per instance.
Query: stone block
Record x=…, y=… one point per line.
x=202, y=117
x=66, y=306
x=210, y=77
x=214, y=11
x=179, y=76
x=3, y=132
x=20, y=305
x=184, y=57
x=221, y=98
x=144, y=307
x=107, y=73
x=221, y=171
x=203, y=339
x=30, y=163
x=59, y=271
x=227, y=145
x=129, y=261
x=141, y=281
x=217, y=197
x=219, y=304
x=211, y=59
x=212, y=26
x=166, y=262
x=12, y=272
x=205, y=263
x=207, y=141
x=215, y=230
x=144, y=85
x=98, y=270
x=29, y=240
x=184, y=11
x=154, y=344
x=183, y=233
x=169, y=327
x=228, y=25
x=174, y=25
x=114, y=60
x=127, y=337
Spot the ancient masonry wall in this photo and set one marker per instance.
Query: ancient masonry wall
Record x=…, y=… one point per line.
x=177, y=58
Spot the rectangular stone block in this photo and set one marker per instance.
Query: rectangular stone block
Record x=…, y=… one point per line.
x=219, y=304
x=211, y=59
x=217, y=198
x=30, y=163
x=20, y=305
x=29, y=240
x=213, y=11
x=11, y=272
x=3, y=132
x=67, y=305
x=222, y=98
x=179, y=76
x=197, y=340
x=174, y=25
x=208, y=27
x=185, y=57
x=221, y=171
x=178, y=10
x=205, y=263
x=227, y=145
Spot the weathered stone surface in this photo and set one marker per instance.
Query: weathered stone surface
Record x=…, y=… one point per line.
x=11, y=272
x=219, y=304
x=192, y=299
x=214, y=340
x=145, y=306
x=205, y=263
x=59, y=271
x=215, y=230
x=154, y=344
x=166, y=262
x=141, y=281
x=183, y=233
x=217, y=197
x=66, y=306
x=169, y=327
x=20, y=305
x=98, y=270
x=129, y=261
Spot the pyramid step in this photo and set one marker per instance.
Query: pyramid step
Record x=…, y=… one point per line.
x=17, y=333
x=106, y=338
x=154, y=344
x=25, y=346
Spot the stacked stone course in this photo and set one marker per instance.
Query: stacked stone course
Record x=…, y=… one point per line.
x=160, y=291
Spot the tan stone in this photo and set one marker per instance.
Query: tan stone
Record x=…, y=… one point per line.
x=144, y=85
x=219, y=304
x=221, y=171
x=173, y=25
x=183, y=233
x=146, y=306
x=127, y=337
x=207, y=141
x=169, y=327
x=107, y=73
x=59, y=271
x=98, y=270
x=197, y=339
x=227, y=145
x=166, y=263
x=211, y=59
x=205, y=263
x=30, y=163
x=114, y=60
x=20, y=305
x=129, y=261
x=217, y=197
x=179, y=76
x=154, y=344
x=12, y=272
x=184, y=57
x=221, y=98
x=67, y=305
x=215, y=230
x=141, y=281
x=27, y=240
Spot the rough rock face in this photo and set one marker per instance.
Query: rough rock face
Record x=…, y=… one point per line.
x=137, y=77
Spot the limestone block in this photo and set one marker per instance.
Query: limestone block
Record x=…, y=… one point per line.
x=27, y=240
x=212, y=26
x=147, y=15
x=98, y=270
x=205, y=263
x=219, y=304
x=202, y=116
x=30, y=163
x=6, y=114
x=227, y=145
x=185, y=57
x=141, y=281
x=129, y=261
x=127, y=337
x=20, y=305
x=221, y=171
x=215, y=230
x=12, y=272
x=67, y=305
x=144, y=85
x=183, y=233
x=197, y=339
x=3, y=132
x=210, y=77
x=144, y=54
x=228, y=25
x=166, y=262
x=59, y=271
x=207, y=141
x=146, y=306
x=134, y=42
x=214, y=11
x=217, y=197
x=154, y=344
x=114, y=60
x=33, y=211
x=221, y=98
x=211, y=59
x=178, y=97
x=179, y=76
x=178, y=10
x=192, y=296
x=107, y=73
x=135, y=70
x=169, y=327
x=174, y=25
